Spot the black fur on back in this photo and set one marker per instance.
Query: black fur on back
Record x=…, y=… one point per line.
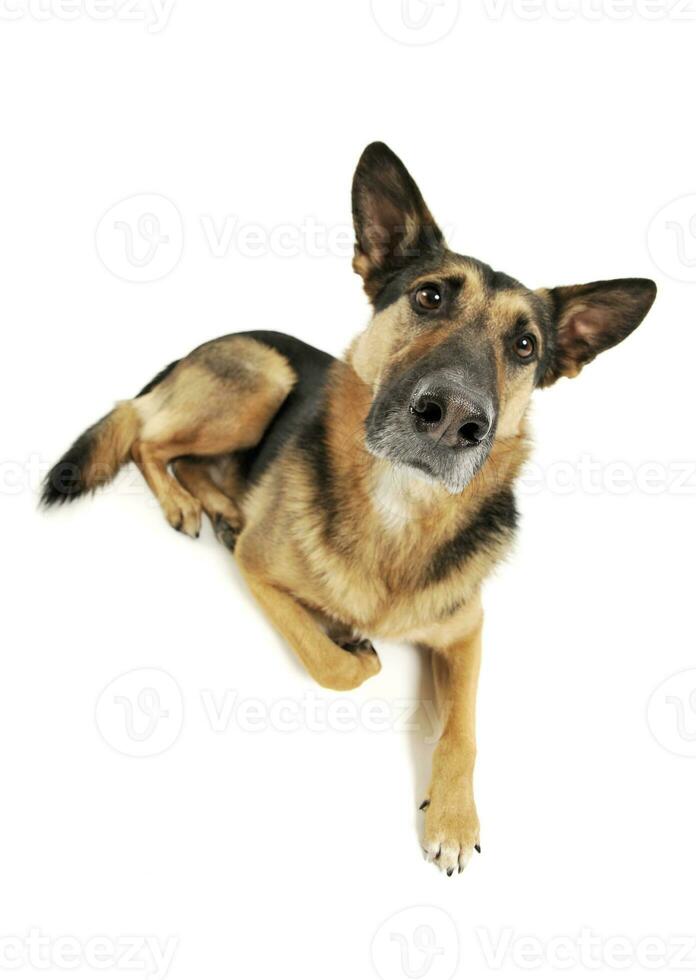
x=165, y=372
x=296, y=413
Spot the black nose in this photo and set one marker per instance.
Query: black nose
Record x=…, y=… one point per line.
x=450, y=416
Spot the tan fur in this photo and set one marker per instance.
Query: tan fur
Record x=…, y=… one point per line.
x=451, y=822
x=115, y=435
x=217, y=400
x=195, y=475
x=292, y=568
x=328, y=664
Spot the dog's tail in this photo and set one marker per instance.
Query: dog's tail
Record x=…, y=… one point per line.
x=94, y=458
x=99, y=453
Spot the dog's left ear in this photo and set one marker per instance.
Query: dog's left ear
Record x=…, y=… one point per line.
x=589, y=319
x=393, y=225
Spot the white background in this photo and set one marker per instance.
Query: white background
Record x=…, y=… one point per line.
x=268, y=839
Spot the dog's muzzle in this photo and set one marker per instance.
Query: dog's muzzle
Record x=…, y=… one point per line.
x=441, y=425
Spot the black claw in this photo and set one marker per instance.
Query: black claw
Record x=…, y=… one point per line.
x=358, y=646
x=424, y=805
x=439, y=852
x=450, y=872
x=477, y=847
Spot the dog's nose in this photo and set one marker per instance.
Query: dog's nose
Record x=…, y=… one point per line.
x=450, y=416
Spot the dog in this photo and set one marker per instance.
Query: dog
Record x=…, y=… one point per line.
x=373, y=494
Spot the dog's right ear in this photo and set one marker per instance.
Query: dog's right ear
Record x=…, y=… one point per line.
x=591, y=318
x=393, y=225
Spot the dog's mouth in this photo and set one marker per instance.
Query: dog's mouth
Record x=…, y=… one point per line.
x=452, y=469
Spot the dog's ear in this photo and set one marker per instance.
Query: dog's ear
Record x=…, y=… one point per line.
x=393, y=225
x=589, y=319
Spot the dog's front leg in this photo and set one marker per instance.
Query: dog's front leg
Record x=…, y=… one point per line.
x=329, y=664
x=451, y=822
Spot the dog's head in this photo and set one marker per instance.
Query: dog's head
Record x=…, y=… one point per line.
x=455, y=349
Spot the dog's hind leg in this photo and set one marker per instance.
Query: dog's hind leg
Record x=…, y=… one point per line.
x=181, y=509
x=198, y=476
x=216, y=401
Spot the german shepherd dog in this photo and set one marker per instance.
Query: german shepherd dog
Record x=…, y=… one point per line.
x=370, y=495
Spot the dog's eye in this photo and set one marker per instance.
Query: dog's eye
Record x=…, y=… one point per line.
x=428, y=297
x=525, y=346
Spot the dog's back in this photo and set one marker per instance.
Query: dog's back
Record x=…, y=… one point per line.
x=311, y=367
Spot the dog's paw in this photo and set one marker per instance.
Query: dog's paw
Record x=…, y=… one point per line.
x=364, y=654
x=226, y=532
x=185, y=516
x=345, y=673
x=452, y=832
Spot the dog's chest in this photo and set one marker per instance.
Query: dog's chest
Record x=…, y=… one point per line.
x=393, y=554
x=386, y=602
x=400, y=578
x=397, y=499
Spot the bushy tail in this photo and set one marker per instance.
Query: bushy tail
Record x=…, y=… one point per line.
x=94, y=458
